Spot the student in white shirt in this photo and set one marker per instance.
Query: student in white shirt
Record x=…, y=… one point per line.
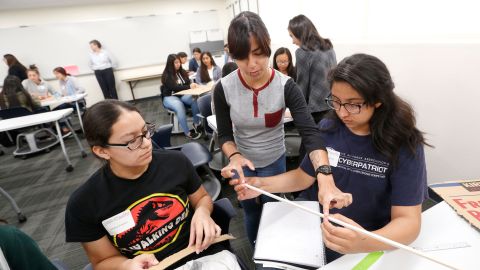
x=208, y=70
x=36, y=86
x=102, y=63
x=68, y=84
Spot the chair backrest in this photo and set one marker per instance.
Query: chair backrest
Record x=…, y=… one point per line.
x=162, y=136
x=205, y=107
x=72, y=70
x=14, y=112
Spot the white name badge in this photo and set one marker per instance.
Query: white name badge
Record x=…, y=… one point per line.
x=119, y=223
x=333, y=157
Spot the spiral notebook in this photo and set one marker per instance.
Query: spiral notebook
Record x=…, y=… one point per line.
x=289, y=237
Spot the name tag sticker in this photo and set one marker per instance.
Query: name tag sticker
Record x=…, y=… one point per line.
x=333, y=157
x=119, y=223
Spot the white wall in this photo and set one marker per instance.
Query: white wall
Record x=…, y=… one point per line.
x=432, y=49
x=15, y=18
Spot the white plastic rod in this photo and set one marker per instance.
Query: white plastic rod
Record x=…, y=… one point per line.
x=354, y=228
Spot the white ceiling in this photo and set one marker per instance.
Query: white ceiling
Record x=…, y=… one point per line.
x=26, y=4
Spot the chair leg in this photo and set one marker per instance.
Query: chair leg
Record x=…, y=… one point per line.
x=21, y=217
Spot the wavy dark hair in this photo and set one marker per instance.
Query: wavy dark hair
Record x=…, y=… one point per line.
x=169, y=73
x=204, y=69
x=304, y=30
x=11, y=86
x=392, y=125
x=291, y=68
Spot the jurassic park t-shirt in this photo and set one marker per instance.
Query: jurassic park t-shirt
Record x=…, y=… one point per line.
x=151, y=214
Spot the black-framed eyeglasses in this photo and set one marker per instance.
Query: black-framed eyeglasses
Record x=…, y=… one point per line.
x=136, y=142
x=350, y=107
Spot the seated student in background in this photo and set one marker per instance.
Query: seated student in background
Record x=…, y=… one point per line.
x=175, y=79
x=156, y=195
x=194, y=63
x=376, y=153
x=20, y=251
x=184, y=60
x=15, y=68
x=227, y=58
x=14, y=95
x=282, y=61
x=208, y=70
x=68, y=84
x=36, y=86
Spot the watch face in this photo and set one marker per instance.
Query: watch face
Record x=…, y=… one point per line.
x=324, y=169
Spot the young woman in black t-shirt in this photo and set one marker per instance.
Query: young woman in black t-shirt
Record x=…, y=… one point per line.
x=142, y=205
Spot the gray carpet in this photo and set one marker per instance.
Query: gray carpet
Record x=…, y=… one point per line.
x=41, y=187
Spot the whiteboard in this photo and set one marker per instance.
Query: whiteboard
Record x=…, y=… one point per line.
x=134, y=42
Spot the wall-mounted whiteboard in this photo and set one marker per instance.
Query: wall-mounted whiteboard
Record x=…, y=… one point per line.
x=134, y=42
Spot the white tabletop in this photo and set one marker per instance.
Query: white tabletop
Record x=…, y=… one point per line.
x=57, y=101
x=440, y=226
x=34, y=119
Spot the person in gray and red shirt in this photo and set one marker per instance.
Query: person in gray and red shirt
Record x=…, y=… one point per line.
x=250, y=104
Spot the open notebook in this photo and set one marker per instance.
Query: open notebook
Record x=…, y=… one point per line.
x=289, y=237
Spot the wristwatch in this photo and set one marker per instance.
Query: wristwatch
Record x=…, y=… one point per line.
x=324, y=169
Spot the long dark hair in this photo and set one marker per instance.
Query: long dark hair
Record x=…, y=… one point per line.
x=290, y=69
x=392, y=125
x=11, y=86
x=12, y=61
x=204, y=69
x=304, y=30
x=245, y=25
x=99, y=119
x=169, y=73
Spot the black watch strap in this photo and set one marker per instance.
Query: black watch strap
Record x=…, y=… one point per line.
x=324, y=169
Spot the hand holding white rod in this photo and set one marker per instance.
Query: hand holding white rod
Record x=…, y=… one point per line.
x=354, y=228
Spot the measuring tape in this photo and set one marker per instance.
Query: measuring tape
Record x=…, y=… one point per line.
x=443, y=246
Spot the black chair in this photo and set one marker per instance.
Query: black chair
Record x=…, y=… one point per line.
x=196, y=153
x=205, y=107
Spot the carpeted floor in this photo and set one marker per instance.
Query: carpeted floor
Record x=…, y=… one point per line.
x=41, y=187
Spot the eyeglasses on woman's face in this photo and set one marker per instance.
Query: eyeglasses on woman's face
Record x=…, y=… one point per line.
x=353, y=108
x=136, y=142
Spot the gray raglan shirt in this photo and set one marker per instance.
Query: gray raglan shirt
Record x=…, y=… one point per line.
x=253, y=118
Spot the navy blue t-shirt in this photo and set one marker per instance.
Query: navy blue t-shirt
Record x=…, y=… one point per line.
x=375, y=184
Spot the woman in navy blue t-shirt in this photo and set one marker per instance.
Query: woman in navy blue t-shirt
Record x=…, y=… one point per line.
x=376, y=154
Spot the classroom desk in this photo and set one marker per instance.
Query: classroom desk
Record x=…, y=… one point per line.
x=54, y=102
x=440, y=226
x=196, y=92
x=43, y=118
x=141, y=74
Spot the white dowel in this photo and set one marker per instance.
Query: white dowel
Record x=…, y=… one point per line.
x=354, y=228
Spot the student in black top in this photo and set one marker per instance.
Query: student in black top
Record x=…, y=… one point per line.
x=15, y=68
x=175, y=79
x=142, y=205
x=283, y=62
x=14, y=95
